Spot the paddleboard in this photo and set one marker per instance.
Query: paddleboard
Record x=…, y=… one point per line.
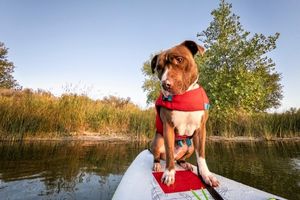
x=141, y=183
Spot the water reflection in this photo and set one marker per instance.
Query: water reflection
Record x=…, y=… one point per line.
x=92, y=170
x=266, y=166
x=63, y=170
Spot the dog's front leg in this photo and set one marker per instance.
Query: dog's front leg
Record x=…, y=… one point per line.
x=199, y=142
x=169, y=138
x=158, y=150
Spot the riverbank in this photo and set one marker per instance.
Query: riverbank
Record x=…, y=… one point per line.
x=129, y=138
x=250, y=139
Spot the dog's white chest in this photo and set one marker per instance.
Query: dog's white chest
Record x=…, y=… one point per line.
x=187, y=122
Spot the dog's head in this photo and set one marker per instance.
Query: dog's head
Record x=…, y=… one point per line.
x=176, y=67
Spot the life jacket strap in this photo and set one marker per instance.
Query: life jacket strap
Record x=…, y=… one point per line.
x=187, y=140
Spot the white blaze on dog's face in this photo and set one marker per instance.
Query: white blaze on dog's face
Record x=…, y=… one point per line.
x=176, y=67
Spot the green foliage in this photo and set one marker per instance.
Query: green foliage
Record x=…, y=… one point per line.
x=264, y=125
x=6, y=69
x=28, y=113
x=151, y=84
x=235, y=70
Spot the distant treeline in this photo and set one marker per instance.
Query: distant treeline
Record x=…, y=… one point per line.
x=27, y=113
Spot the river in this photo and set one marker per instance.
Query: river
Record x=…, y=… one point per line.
x=93, y=170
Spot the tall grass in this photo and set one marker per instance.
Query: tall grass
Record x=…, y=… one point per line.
x=28, y=114
x=265, y=125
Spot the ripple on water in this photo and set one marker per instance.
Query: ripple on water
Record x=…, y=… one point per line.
x=295, y=163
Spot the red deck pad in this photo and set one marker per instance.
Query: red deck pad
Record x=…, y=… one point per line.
x=184, y=181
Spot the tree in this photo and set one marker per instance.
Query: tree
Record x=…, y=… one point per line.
x=235, y=69
x=6, y=69
x=151, y=84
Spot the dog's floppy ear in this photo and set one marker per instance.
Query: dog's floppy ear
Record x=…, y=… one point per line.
x=193, y=47
x=153, y=63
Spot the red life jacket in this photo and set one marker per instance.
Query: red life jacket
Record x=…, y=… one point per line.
x=193, y=100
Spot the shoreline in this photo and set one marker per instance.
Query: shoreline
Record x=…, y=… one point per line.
x=250, y=139
x=128, y=138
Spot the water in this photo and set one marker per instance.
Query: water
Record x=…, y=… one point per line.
x=92, y=170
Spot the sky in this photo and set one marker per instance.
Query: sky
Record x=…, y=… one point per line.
x=98, y=47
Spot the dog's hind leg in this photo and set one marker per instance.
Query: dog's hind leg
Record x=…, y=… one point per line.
x=181, y=160
x=158, y=151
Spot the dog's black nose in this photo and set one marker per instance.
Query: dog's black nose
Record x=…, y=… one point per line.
x=166, y=85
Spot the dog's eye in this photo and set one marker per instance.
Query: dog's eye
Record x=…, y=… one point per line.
x=158, y=69
x=179, y=59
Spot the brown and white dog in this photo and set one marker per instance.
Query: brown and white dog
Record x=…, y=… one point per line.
x=178, y=73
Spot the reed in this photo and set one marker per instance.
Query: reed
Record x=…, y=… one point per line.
x=27, y=113
x=265, y=125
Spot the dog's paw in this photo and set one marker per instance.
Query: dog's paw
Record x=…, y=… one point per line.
x=207, y=176
x=185, y=165
x=210, y=179
x=156, y=167
x=168, y=177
